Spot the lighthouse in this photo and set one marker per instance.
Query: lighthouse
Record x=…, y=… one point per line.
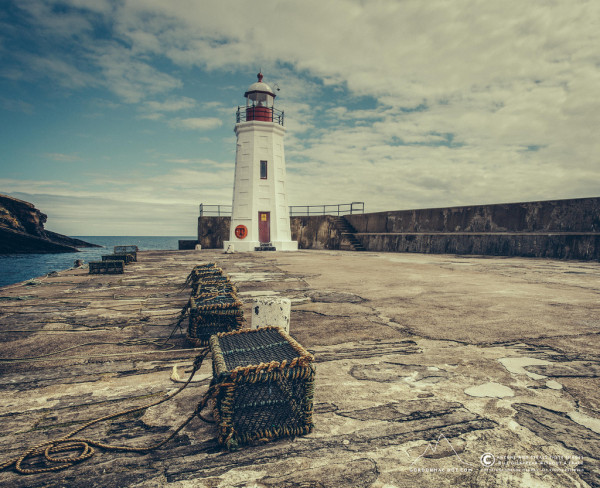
x=260, y=217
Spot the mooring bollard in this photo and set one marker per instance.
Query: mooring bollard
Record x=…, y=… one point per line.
x=271, y=311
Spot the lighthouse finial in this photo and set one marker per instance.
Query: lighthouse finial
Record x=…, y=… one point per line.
x=260, y=76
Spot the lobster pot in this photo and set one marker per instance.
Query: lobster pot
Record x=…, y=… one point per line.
x=126, y=250
x=213, y=314
x=106, y=267
x=200, y=267
x=216, y=284
x=205, y=276
x=126, y=258
x=265, y=386
x=202, y=271
x=201, y=275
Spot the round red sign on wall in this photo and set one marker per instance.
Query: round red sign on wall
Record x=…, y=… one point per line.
x=241, y=231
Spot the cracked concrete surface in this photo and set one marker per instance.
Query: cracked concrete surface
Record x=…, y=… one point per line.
x=415, y=357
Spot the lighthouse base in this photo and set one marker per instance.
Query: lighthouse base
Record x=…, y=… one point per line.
x=285, y=245
x=248, y=246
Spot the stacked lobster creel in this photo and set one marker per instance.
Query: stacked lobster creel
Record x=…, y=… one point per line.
x=213, y=306
x=114, y=263
x=130, y=250
x=264, y=386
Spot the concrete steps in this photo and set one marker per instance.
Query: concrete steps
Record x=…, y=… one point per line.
x=348, y=232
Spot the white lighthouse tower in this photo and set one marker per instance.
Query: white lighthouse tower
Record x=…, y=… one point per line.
x=260, y=217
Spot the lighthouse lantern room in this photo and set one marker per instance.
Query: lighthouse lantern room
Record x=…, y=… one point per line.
x=260, y=216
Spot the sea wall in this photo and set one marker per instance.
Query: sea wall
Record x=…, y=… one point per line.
x=559, y=229
x=315, y=232
x=552, y=246
x=212, y=231
x=573, y=215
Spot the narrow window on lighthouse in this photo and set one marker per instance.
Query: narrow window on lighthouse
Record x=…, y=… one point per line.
x=263, y=170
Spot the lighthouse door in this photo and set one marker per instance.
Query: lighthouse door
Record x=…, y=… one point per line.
x=264, y=226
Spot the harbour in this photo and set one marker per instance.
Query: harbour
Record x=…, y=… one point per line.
x=424, y=364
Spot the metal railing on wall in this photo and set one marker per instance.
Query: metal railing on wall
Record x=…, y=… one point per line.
x=215, y=210
x=295, y=210
x=337, y=209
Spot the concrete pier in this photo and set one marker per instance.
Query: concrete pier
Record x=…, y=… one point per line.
x=432, y=370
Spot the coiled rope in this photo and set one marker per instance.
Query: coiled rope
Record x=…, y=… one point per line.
x=85, y=446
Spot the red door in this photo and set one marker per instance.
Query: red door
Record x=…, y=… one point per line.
x=264, y=227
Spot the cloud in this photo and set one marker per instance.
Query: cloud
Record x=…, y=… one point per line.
x=11, y=185
x=15, y=105
x=152, y=116
x=200, y=161
x=64, y=158
x=401, y=104
x=129, y=77
x=106, y=216
x=155, y=110
x=63, y=72
x=164, y=203
x=171, y=104
x=196, y=123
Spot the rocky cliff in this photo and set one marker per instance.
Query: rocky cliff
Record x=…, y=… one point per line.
x=22, y=230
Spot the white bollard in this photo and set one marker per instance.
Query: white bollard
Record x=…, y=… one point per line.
x=198, y=247
x=269, y=311
x=229, y=249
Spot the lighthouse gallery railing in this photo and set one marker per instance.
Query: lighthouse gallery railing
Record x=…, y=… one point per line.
x=263, y=114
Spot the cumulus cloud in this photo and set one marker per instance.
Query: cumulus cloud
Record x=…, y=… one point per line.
x=64, y=158
x=196, y=123
x=172, y=104
x=131, y=78
x=16, y=105
x=402, y=104
x=165, y=203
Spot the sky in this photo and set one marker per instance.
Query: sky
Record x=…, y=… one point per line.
x=117, y=117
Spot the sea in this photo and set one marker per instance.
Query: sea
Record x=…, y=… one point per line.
x=15, y=268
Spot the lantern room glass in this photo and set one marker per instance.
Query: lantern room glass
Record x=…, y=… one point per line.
x=259, y=99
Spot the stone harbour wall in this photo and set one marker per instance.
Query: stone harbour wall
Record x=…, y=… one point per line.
x=584, y=247
x=558, y=229
x=573, y=215
x=212, y=231
x=314, y=232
